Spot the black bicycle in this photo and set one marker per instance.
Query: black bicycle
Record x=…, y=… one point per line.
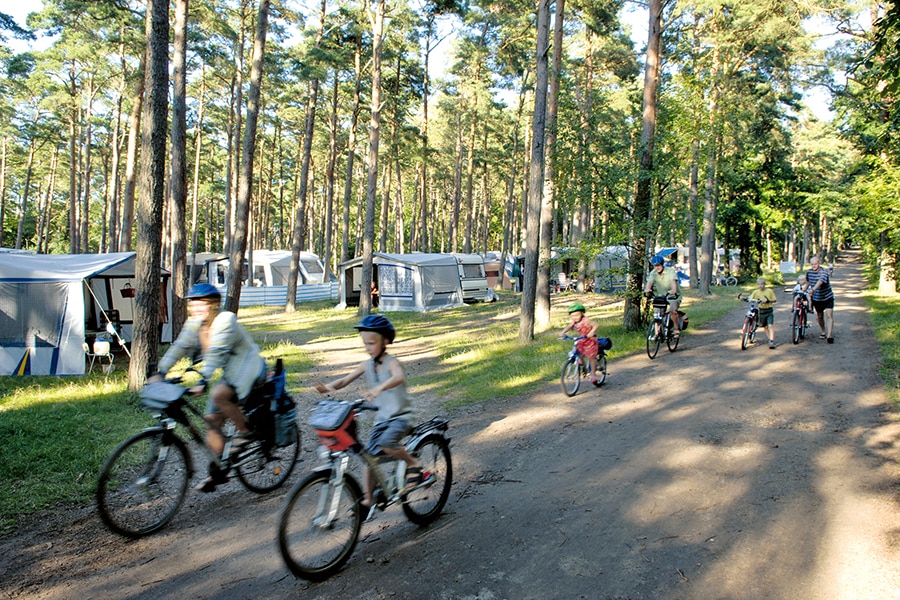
x=144, y=481
x=661, y=327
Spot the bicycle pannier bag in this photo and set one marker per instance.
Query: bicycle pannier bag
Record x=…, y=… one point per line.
x=284, y=409
x=604, y=343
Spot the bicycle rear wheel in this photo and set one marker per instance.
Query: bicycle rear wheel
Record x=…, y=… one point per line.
x=796, y=327
x=143, y=483
x=731, y=281
x=425, y=503
x=600, y=373
x=653, y=340
x=267, y=468
x=671, y=340
x=570, y=377
x=317, y=531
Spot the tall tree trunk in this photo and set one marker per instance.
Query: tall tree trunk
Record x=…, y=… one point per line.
x=145, y=345
x=43, y=225
x=23, y=207
x=2, y=187
x=198, y=147
x=242, y=213
x=470, y=178
x=328, y=255
x=542, y=309
x=457, y=185
x=642, y=200
x=178, y=183
x=134, y=130
x=693, y=196
x=88, y=166
x=365, y=295
x=299, y=233
x=351, y=150
x=73, y=163
x=536, y=175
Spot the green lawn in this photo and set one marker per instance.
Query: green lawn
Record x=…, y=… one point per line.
x=56, y=432
x=883, y=313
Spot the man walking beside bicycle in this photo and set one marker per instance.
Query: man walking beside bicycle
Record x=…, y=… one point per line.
x=663, y=281
x=822, y=298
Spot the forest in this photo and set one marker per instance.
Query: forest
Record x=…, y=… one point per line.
x=343, y=128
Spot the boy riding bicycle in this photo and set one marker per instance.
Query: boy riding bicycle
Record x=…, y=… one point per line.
x=766, y=313
x=387, y=390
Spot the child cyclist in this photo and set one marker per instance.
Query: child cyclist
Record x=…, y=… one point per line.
x=802, y=288
x=766, y=299
x=588, y=330
x=387, y=390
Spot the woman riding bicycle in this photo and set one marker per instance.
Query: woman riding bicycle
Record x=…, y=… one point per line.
x=663, y=281
x=221, y=342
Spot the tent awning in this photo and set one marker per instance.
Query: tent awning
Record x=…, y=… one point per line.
x=63, y=267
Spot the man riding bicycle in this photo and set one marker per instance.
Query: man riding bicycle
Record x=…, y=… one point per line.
x=663, y=281
x=221, y=342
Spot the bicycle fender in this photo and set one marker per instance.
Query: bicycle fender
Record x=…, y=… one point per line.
x=417, y=441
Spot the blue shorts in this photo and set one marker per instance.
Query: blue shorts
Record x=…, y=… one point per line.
x=387, y=434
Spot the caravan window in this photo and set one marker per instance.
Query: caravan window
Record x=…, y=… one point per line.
x=311, y=266
x=472, y=271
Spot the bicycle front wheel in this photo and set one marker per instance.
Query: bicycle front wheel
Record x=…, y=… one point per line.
x=796, y=327
x=571, y=377
x=267, y=468
x=746, y=333
x=424, y=503
x=143, y=483
x=319, y=525
x=731, y=281
x=671, y=340
x=804, y=323
x=653, y=340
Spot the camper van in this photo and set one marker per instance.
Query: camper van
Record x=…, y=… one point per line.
x=471, y=277
x=271, y=268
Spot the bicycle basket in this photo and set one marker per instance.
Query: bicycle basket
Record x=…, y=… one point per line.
x=160, y=394
x=334, y=424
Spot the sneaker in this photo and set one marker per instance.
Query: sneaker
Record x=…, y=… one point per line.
x=771, y=344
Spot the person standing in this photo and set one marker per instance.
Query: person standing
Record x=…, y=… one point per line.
x=822, y=298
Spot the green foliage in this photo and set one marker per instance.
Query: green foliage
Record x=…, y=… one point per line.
x=883, y=313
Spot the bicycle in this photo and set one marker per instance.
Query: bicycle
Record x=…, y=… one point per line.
x=726, y=280
x=751, y=322
x=799, y=315
x=144, y=481
x=578, y=366
x=661, y=327
x=320, y=521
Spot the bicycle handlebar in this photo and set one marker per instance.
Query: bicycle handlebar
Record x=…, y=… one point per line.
x=574, y=339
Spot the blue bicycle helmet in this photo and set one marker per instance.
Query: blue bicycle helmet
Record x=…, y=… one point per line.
x=201, y=291
x=378, y=324
x=656, y=260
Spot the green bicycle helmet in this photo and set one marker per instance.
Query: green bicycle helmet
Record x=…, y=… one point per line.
x=576, y=306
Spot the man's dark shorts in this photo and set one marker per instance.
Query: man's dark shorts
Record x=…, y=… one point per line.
x=821, y=305
x=387, y=434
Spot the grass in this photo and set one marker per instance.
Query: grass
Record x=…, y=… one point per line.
x=883, y=312
x=56, y=432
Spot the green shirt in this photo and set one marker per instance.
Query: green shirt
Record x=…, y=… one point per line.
x=662, y=282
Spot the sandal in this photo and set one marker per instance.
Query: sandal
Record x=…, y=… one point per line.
x=207, y=486
x=822, y=336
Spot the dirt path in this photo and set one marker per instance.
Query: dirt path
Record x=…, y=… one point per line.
x=708, y=473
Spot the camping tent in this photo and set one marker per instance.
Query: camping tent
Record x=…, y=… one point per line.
x=406, y=282
x=51, y=304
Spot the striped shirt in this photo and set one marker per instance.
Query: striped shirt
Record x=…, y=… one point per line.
x=824, y=292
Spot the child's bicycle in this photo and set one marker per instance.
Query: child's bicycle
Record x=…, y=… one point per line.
x=799, y=315
x=322, y=515
x=578, y=366
x=144, y=481
x=661, y=326
x=751, y=322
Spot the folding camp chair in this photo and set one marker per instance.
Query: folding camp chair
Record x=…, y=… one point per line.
x=100, y=351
